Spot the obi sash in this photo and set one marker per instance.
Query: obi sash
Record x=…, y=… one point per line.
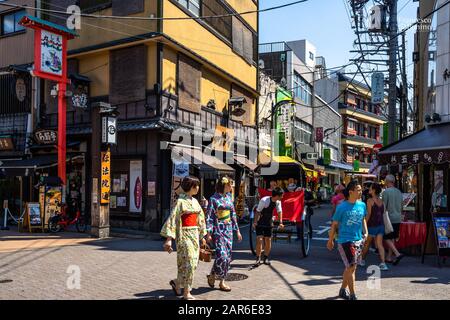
x=223, y=215
x=189, y=220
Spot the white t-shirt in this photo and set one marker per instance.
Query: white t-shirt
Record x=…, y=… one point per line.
x=265, y=203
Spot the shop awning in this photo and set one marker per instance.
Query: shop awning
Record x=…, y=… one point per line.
x=209, y=166
x=244, y=161
x=340, y=165
x=429, y=145
x=22, y=167
x=265, y=159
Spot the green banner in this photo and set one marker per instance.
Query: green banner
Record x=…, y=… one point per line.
x=356, y=165
x=280, y=150
x=283, y=95
x=326, y=157
x=386, y=133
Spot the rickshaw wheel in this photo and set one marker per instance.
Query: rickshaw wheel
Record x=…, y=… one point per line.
x=306, y=235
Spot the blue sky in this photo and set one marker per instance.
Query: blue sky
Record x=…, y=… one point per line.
x=326, y=24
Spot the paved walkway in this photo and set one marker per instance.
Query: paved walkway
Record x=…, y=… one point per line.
x=36, y=267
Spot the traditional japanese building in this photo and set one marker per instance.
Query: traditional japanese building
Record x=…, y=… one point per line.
x=163, y=75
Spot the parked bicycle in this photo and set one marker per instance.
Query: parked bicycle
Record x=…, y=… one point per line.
x=61, y=221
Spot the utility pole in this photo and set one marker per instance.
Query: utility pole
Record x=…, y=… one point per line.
x=405, y=89
x=393, y=48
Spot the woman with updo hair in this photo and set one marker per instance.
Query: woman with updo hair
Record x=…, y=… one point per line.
x=221, y=221
x=186, y=225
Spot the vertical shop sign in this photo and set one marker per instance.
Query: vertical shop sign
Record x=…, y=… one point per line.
x=106, y=177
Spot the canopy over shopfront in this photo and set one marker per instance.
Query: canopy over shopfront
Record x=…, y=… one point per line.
x=209, y=166
x=24, y=167
x=430, y=145
x=245, y=162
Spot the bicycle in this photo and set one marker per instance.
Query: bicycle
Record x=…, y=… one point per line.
x=61, y=221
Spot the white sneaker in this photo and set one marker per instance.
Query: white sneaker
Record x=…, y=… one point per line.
x=383, y=267
x=362, y=263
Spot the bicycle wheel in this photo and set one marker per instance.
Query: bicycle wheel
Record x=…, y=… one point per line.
x=81, y=224
x=306, y=235
x=252, y=237
x=53, y=224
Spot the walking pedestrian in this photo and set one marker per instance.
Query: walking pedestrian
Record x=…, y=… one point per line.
x=375, y=224
x=338, y=197
x=221, y=221
x=263, y=223
x=352, y=228
x=186, y=225
x=393, y=202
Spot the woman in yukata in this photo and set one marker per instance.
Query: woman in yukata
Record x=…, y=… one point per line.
x=221, y=221
x=186, y=225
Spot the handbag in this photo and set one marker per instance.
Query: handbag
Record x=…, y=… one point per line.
x=388, y=228
x=205, y=253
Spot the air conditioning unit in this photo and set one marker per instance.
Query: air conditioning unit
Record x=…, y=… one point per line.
x=312, y=156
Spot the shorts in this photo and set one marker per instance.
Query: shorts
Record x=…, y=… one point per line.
x=351, y=252
x=375, y=231
x=264, y=231
x=393, y=235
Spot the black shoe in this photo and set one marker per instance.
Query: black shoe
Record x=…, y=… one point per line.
x=258, y=261
x=353, y=297
x=266, y=260
x=397, y=259
x=343, y=293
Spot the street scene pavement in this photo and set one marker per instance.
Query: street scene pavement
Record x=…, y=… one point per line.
x=74, y=266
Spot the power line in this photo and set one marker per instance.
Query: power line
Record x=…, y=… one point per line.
x=156, y=18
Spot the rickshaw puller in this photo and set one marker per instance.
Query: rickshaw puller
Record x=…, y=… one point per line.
x=264, y=223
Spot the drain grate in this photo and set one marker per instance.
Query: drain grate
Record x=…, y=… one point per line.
x=6, y=281
x=235, y=277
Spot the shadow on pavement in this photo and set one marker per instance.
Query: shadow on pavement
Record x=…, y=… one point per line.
x=157, y=295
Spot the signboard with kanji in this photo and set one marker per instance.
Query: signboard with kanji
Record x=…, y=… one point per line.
x=46, y=136
x=50, y=48
x=377, y=87
x=319, y=134
x=106, y=177
x=413, y=158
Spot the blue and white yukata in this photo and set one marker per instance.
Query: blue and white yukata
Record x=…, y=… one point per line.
x=221, y=221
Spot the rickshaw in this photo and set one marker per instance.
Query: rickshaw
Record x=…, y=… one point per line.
x=296, y=215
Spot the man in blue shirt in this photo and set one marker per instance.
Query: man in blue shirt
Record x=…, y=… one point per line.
x=349, y=221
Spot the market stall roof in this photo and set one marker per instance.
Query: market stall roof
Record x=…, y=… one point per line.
x=429, y=145
x=243, y=160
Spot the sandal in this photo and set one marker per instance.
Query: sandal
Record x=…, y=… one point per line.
x=211, y=280
x=189, y=298
x=174, y=288
x=225, y=288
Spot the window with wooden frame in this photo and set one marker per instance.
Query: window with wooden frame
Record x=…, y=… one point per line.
x=222, y=25
x=189, y=79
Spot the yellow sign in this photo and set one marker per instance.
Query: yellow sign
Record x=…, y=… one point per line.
x=106, y=177
x=241, y=200
x=223, y=139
